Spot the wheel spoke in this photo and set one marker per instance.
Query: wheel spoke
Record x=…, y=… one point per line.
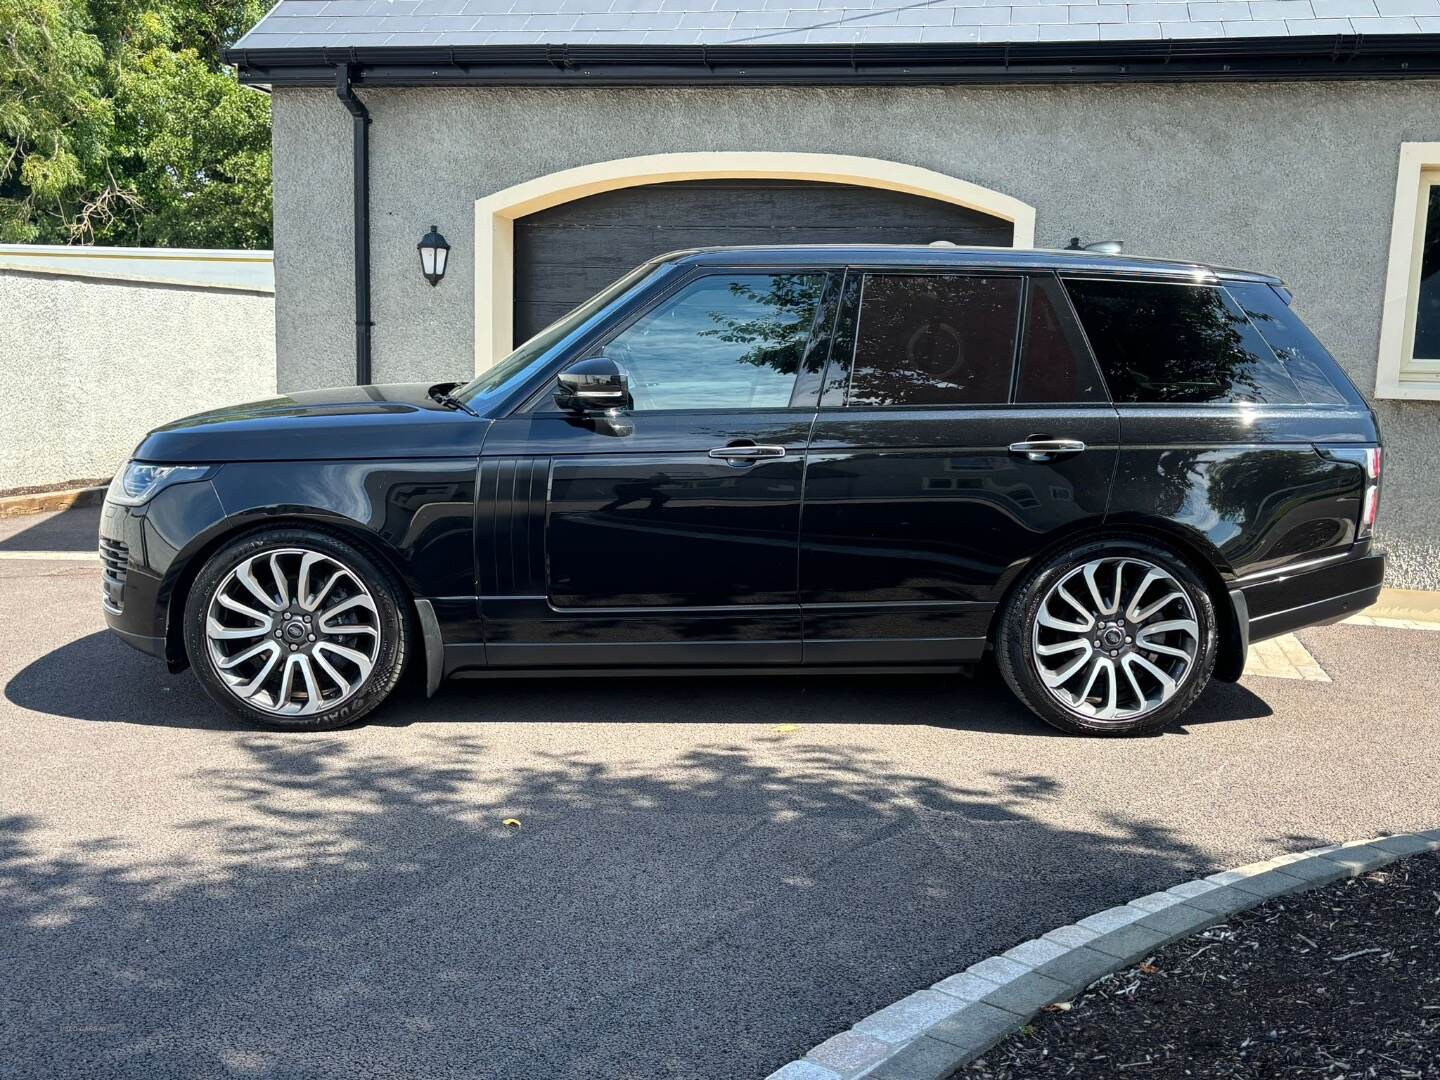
x=1085, y=614
x=1151, y=576
x=323, y=619
x=302, y=580
x=1089, y=575
x=250, y=688
x=1063, y=647
x=1056, y=678
x=242, y=609
x=1046, y=619
x=245, y=574
x=279, y=575
x=215, y=630
x=1140, y=698
x=1167, y=684
x=1187, y=626
x=1095, y=668
x=330, y=669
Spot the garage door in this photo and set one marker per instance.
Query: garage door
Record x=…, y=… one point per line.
x=568, y=253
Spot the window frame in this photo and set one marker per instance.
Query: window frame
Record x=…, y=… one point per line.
x=1398, y=373
x=803, y=395
x=835, y=386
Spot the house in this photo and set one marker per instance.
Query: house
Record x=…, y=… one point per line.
x=556, y=143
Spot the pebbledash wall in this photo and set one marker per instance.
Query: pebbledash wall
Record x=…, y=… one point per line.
x=1293, y=178
x=99, y=345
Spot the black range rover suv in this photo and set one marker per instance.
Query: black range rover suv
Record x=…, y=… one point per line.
x=1114, y=473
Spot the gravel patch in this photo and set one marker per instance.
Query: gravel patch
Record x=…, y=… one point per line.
x=1341, y=982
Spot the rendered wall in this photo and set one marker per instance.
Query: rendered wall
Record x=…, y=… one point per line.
x=1295, y=179
x=89, y=365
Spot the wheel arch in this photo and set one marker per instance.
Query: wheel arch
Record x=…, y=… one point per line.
x=1207, y=561
x=187, y=566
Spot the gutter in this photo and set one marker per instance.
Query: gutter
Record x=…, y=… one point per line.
x=1309, y=57
x=344, y=90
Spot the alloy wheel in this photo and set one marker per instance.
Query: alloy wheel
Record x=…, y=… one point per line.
x=1115, y=638
x=292, y=631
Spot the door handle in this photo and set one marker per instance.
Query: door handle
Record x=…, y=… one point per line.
x=747, y=453
x=1039, y=448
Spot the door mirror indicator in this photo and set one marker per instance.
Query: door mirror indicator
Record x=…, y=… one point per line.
x=597, y=385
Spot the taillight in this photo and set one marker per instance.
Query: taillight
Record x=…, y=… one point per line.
x=1372, y=491
x=1368, y=458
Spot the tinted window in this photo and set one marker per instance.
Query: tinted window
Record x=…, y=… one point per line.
x=1177, y=343
x=926, y=339
x=1427, y=291
x=1307, y=361
x=1055, y=362
x=731, y=341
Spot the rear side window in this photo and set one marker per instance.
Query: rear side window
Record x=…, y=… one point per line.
x=934, y=339
x=1314, y=370
x=1055, y=363
x=1162, y=343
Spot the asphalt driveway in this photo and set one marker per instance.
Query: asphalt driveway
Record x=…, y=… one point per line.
x=710, y=875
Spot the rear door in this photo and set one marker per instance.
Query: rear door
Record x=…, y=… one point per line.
x=665, y=535
x=962, y=424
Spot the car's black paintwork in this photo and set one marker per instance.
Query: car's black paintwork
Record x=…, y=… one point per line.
x=886, y=537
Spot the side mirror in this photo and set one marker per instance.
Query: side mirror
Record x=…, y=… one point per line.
x=596, y=385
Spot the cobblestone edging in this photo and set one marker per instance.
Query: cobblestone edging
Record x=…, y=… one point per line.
x=931, y=1033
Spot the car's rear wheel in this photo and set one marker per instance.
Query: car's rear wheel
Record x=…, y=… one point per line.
x=296, y=629
x=1115, y=637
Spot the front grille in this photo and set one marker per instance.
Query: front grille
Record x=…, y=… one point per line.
x=115, y=560
x=114, y=565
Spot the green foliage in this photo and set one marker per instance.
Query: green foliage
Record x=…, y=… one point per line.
x=120, y=125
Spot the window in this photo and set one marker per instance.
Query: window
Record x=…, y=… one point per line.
x=1055, y=362
x=934, y=339
x=1313, y=369
x=1163, y=343
x=1409, y=362
x=727, y=341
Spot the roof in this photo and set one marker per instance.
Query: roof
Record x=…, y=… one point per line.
x=934, y=255
x=297, y=24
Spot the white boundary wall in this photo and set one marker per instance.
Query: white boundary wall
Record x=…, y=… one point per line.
x=99, y=345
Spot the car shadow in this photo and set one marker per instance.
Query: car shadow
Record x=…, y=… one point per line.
x=98, y=678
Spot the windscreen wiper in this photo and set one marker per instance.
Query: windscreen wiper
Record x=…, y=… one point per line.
x=441, y=392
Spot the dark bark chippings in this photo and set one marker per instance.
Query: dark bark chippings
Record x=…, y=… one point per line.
x=1342, y=982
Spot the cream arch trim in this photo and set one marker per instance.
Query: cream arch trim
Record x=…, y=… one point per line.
x=495, y=214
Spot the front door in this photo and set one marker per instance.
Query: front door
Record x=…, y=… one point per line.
x=963, y=424
x=666, y=535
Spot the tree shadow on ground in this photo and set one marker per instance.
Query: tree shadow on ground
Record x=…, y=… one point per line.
x=346, y=905
x=98, y=678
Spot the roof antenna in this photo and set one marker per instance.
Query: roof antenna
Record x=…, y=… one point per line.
x=1099, y=247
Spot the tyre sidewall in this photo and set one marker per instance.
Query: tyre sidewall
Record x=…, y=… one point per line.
x=1015, y=648
x=384, y=589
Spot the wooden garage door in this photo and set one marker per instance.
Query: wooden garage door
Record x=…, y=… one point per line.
x=568, y=253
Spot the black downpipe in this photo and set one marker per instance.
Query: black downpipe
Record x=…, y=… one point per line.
x=361, y=171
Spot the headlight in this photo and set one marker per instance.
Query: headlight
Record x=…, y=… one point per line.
x=138, y=482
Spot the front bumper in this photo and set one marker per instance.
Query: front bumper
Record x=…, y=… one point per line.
x=142, y=558
x=1311, y=597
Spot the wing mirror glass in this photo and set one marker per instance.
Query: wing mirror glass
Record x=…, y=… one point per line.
x=596, y=385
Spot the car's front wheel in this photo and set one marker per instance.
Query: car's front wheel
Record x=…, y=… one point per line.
x=296, y=629
x=1114, y=637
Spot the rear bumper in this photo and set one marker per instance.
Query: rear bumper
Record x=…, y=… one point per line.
x=1324, y=594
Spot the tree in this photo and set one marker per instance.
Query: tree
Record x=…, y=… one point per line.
x=119, y=124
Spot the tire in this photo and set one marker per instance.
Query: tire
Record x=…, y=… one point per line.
x=333, y=633
x=1113, y=689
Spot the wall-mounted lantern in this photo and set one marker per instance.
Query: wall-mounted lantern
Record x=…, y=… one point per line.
x=434, y=253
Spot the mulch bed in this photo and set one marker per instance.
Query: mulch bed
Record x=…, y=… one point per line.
x=1342, y=982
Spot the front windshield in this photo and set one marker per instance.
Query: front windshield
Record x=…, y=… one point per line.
x=520, y=364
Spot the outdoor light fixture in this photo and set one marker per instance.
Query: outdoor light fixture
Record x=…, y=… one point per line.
x=434, y=252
